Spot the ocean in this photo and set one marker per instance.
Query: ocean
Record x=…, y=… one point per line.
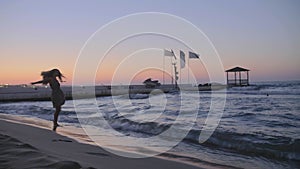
x=259, y=128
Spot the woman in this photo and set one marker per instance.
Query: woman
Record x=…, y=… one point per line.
x=57, y=96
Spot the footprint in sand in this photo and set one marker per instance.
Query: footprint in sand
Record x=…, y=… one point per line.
x=97, y=154
x=62, y=140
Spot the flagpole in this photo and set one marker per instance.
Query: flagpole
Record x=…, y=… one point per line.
x=174, y=66
x=172, y=54
x=188, y=69
x=172, y=70
x=180, y=77
x=163, y=69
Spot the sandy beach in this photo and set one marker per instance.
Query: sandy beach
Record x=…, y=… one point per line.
x=25, y=145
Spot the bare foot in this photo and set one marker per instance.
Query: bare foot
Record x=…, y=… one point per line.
x=55, y=126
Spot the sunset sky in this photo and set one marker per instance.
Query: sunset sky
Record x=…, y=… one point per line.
x=261, y=35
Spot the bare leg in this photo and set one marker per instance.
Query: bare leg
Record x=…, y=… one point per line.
x=55, y=124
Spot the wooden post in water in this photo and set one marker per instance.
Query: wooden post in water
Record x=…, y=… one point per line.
x=240, y=78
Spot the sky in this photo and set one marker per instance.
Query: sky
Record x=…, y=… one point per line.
x=260, y=35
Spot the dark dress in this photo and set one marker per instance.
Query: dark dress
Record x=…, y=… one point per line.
x=57, y=96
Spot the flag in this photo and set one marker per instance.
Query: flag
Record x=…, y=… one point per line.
x=193, y=55
x=169, y=53
x=182, y=60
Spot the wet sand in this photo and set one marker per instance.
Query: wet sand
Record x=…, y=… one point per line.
x=30, y=143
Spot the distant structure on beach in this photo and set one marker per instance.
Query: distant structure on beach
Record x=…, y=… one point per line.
x=149, y=83
x=238, y=81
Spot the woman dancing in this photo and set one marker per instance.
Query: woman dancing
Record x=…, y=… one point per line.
x=57, y=96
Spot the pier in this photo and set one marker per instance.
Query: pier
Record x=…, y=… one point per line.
x=43, y=93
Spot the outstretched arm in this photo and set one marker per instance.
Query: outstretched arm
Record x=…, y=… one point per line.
x=44, y=81
x=41, y=81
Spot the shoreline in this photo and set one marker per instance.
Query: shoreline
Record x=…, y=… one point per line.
x=63, y=148
x=232, y=146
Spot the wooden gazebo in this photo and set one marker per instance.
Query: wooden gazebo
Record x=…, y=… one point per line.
x=238, y=81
